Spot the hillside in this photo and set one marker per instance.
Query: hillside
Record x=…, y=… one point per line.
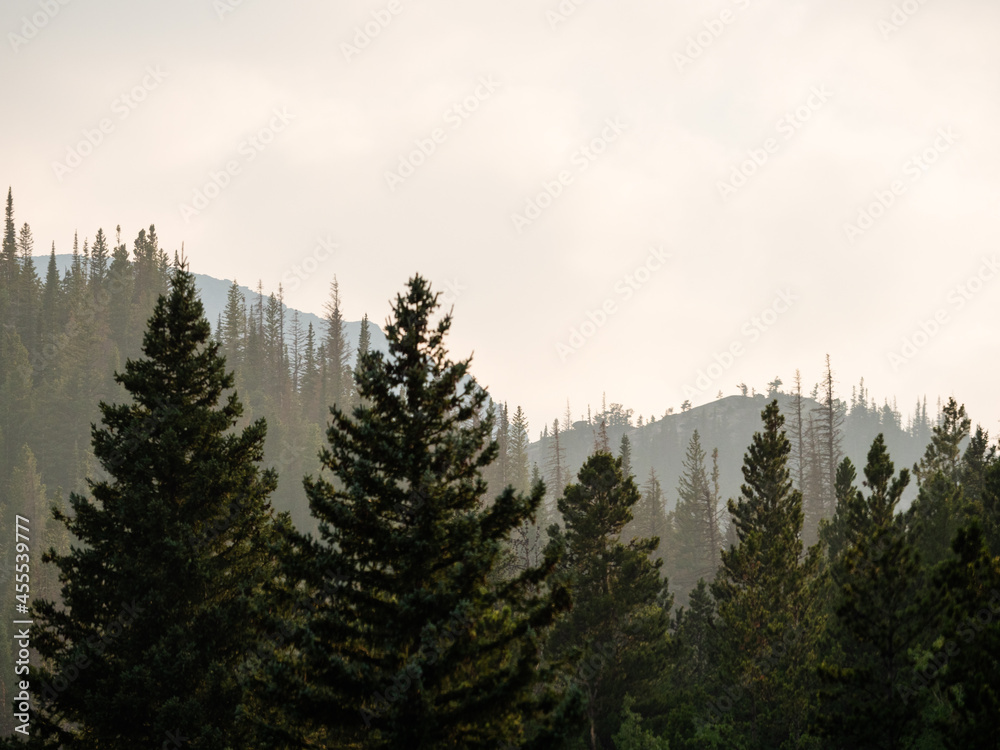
x=213, y=293
x=727, y=424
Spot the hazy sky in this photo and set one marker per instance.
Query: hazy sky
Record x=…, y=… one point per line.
x=614, y=194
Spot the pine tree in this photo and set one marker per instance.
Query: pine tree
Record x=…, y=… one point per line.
x=944, y=453
x=762, y=590
x=518, y=452
x=619, y=620
x=976, y=460
x=625, y=453
x=967, y=659
x=695, y=541
x=99, y=257
x=829, y=438
x=234, y=327
x=8, y=251
x=178, y=536
x=364, y=340
x=558, y=475
x=869, y=698
x=649, y=517
x=797, y=436
x=336, y=386
x=837, y=533
x=28, y=297
x=407, y=644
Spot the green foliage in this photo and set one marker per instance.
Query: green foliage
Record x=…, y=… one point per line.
x=409, y=641
x=618, y=625
x=631, y=735
x=765, y=599
x=158, y=599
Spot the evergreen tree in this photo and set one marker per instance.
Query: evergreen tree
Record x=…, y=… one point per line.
x=364, y=340
x=619, y=620
x=625, y=453
x=407, y=643
x=976, y=460
x=234, y=327
x=696, y=540
x=518, y=452
x=764, y=601
x=337, y=383
x=28, y=297
x=8, y=251
x=558, y=474
x=944, y=454
x=870, y=696
x=159, y=597
x=99, y=257
x=838, y=532
x=649, y=517
x=967, y=659
x=829, y=438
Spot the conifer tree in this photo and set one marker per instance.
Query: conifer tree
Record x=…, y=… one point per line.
x=829, y=442
x=944, y=451
x=234, y=327
x=407, y=643
x=695, y=541
x=337, y=383
x=8, y=251
x=557, y=472
x=762, y=590
x=837, y=533
x=967, y=662
x=158, y=597
x=870, y=698
x=625, y=453
x=518, y=452
x=28, y=296
x=619, y=619
x=649, y=517
x=976, y=460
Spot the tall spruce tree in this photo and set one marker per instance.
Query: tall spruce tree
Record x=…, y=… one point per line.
x=619, y=621
x=944, y=452
x=157, y=600
x=870, y=696
x=408, y=643
x=967, y=662
x=695, y=541
x=764, y=599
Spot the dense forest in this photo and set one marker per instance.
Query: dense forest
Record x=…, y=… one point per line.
x=264, y=535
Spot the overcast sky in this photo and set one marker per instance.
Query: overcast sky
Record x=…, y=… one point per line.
x=613, y=194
